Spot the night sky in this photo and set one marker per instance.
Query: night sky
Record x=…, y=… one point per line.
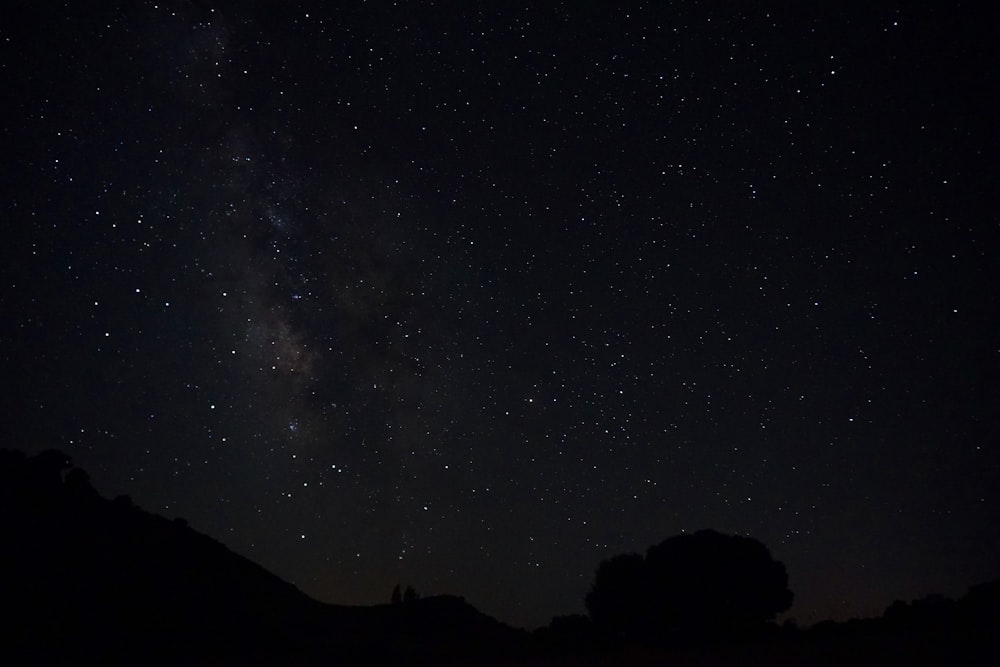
x=470, y=296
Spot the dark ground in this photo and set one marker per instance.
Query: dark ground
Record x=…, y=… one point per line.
x=93, y=581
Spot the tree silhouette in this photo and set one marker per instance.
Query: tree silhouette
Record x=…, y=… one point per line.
x=619, y=601
x=700, y=587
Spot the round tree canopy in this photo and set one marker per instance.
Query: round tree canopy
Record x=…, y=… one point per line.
x=703, y=586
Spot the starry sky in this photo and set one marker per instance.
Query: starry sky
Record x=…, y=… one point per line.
x=470, y=296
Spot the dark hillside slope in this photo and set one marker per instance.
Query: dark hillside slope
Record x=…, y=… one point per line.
x=86, y=576
x=85, y=580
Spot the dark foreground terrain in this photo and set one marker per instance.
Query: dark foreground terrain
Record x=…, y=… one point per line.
x=90, y=581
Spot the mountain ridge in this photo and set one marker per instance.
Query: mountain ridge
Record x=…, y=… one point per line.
x=104, y=579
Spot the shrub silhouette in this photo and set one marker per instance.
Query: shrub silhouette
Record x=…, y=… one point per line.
x=704, y=587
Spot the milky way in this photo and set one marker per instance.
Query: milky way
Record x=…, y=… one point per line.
x=471, y=300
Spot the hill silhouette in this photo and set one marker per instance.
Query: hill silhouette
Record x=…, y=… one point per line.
x=89, y=581
x=86, y=580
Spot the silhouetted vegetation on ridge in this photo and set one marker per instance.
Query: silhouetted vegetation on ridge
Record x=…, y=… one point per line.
x=90, y=581
x=709, y=598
